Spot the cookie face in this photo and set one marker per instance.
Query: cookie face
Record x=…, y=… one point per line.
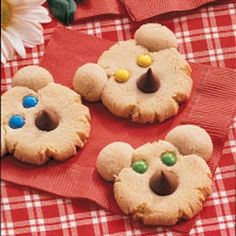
x=161, y=186
x=147, y=77
x=49, y=123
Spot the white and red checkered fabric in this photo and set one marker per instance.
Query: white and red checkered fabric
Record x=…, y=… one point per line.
x=207, y=36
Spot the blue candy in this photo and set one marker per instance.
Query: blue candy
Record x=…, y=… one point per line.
x=16, y=121
x=30, y=101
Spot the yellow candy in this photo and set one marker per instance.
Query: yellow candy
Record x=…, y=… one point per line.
x=144, y=60
x=122, y=75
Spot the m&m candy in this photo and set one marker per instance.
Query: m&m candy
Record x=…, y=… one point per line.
x=169, y=158
x=144, y=60
x=122, y=75
x=16, y=121
x=140, y=166
x=30, y=101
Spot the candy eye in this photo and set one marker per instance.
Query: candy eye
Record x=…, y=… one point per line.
x=30, y=101
x=144, y=60
x=122, y=75
x=169, y=158
x=140, y=166
x=16, y=122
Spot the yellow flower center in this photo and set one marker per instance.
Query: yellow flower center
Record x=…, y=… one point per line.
x=6, y=13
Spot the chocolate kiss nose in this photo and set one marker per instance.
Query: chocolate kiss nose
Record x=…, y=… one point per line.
x=164, y=183
x=148, y=82
x=47, y=120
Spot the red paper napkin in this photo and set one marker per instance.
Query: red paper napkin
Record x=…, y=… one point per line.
x=211, y=106
x=90, y=8
x=141, y=10
x=137, y=9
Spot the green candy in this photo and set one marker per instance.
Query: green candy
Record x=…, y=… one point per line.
x=140, y=166
x=169, y=158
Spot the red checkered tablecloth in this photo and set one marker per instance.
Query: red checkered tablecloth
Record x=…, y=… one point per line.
x=206, y=35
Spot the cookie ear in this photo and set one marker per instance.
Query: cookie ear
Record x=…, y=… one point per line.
x=33, y=77
x=3, y=142
x=113, y=158
x=89, y=81
x=191, y=139
x=155, y=37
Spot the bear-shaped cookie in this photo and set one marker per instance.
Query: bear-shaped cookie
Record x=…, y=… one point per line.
x=162, y=182
x=145, y=78
x=41, y=119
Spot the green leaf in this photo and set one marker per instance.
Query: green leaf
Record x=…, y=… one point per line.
x=63, y=10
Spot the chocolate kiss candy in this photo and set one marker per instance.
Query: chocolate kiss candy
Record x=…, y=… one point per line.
x=47, y=120
x=148, y=82
x=164, y=183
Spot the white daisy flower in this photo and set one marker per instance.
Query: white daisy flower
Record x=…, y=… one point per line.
x=20, y=26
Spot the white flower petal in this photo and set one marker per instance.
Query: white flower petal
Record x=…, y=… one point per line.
x=39, y=15
x=4, y=51
x=25, y=30
x=30, y=3
x=29, y=44
x=3, y=58
x=31, y=33
x=6, y=47
x=15, y=41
